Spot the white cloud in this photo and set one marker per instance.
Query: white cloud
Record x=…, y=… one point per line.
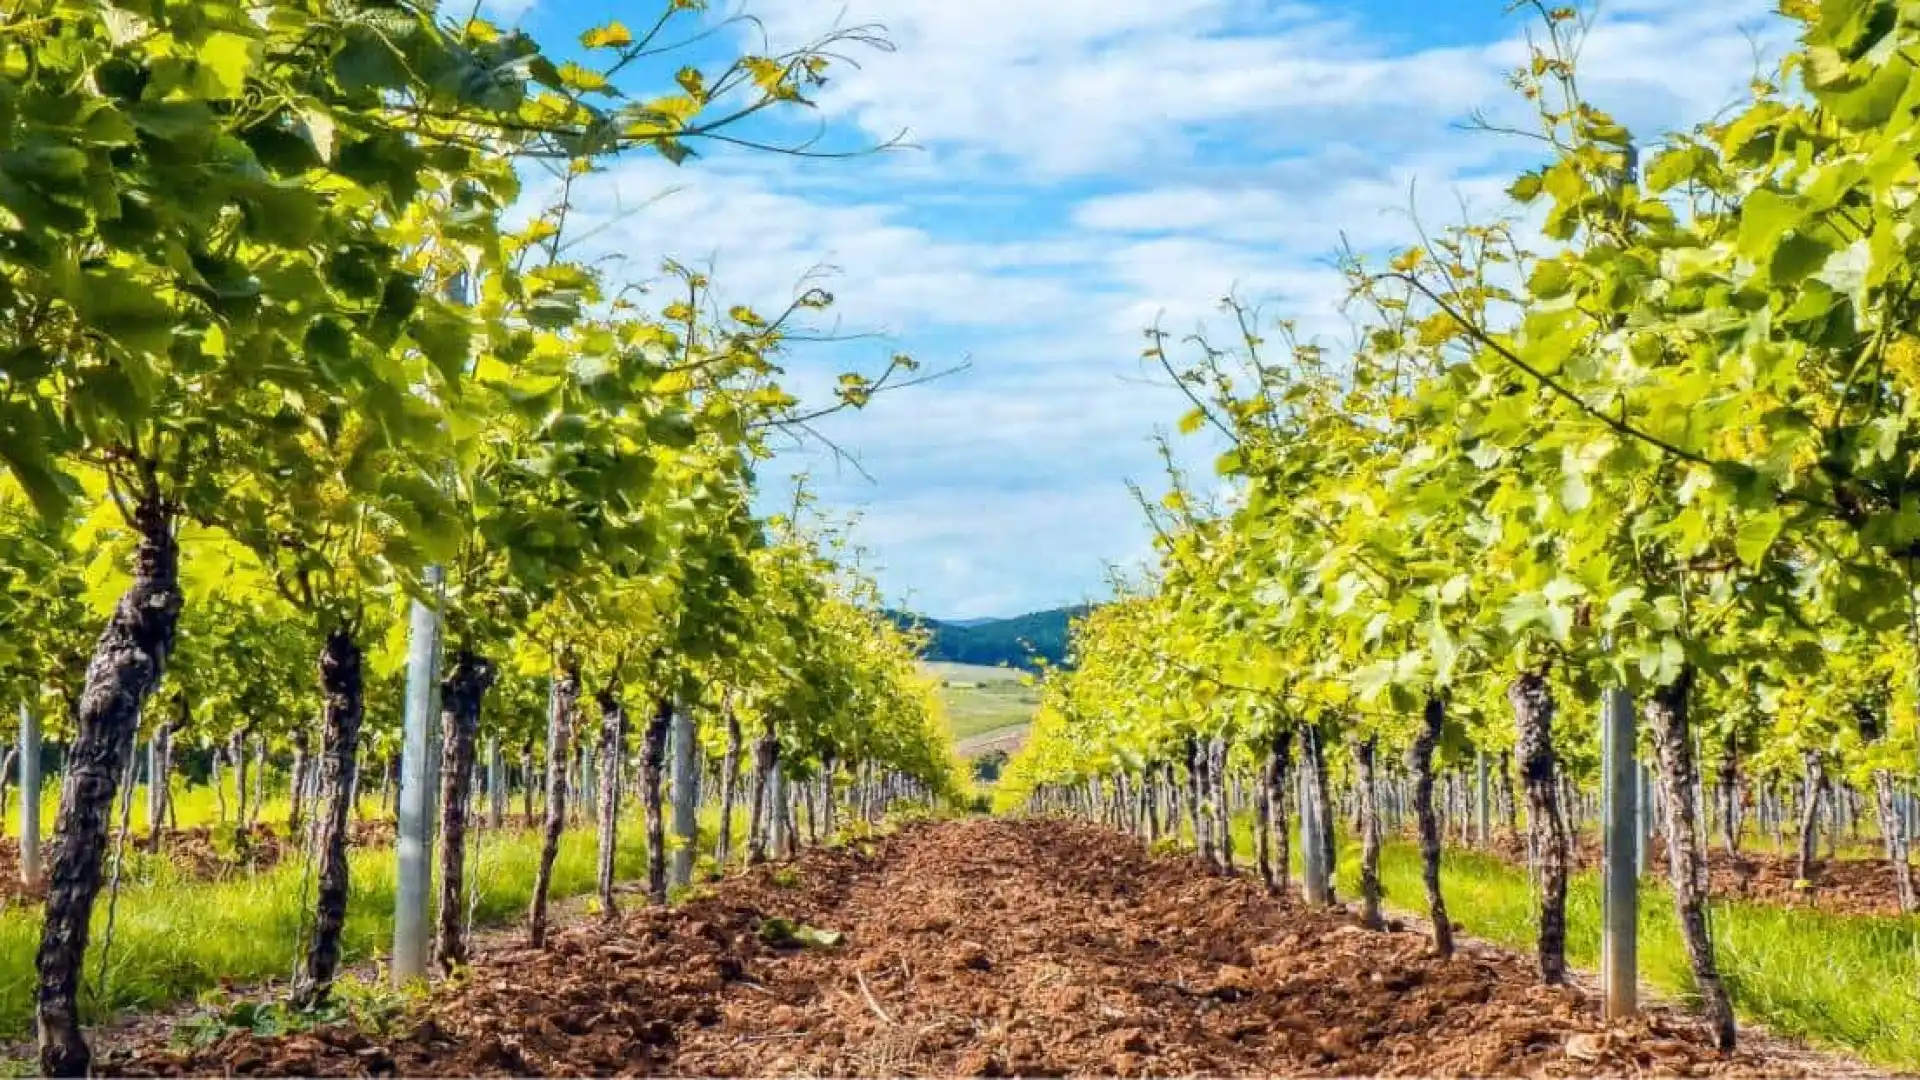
x=932, y=538
x=1077, y=87
x=1370, y=211
x=1090, y=167
x=767, y=244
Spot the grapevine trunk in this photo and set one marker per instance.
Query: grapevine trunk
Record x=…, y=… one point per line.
x=527, y=785
x=160, y=769
x=1279, y=767
x=560, y=723
x=1894, y=831
x=1222, y=805
x=613, y=736
x=237, y=754
x=1730, y=823
x=1420, y=763
x=1533, y=708
x=729, y=788
x=297, y=787
x=1323, y=796
x=1363, y=753
x=462, y=694
x=341, y=691
x=1814, y=779
x=1197, y=801
x=1668, y=716
x=652, y=761
x=766, y=755
x=127, y=662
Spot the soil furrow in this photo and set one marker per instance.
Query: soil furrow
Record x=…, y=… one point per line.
x=989, y=948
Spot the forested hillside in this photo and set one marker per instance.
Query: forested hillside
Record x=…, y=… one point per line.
x=1019, y=641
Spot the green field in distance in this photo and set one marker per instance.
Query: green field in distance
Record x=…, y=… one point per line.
x=987, y=707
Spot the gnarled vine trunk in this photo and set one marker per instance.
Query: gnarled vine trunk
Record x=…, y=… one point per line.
x=1222, y=806
x=1814, y=779
x=156, y=781
x=1893, y=831
x=1509, y=806
x=1274, y=782
x=159, y=783
x=1420, y=763
x=388, y=811
x=1167, y=794
x=766, y=757
x=652, y=768
x=1323, y=796
x=729, y=788
x=462, y=693
x=527, y=785
x=1533, y=706
x=297, y=787
x=613, y=737
x=1809, y=827
x=1197, y=800
x=576, y=780
x=259, y=780
x=218, y=784
x=785, y=832
x=1779, y=820
x=808, y=792
x=1262, y=825
x=829, y=821
x=1730, y=823
x=341, y=692
x=1672, y=730
x=1363, y=751
x=237, y=755
x=496, y=785
x=128, y=659
x=1150, y=800
x=560, y=722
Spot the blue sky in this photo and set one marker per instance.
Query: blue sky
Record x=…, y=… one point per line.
x=1085, y=168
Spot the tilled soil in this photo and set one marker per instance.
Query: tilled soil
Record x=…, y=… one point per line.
x=1839, y=886
x=989, y=947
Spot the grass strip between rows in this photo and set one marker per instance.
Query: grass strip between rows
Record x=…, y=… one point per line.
x=175, y=937
x=1846, y=982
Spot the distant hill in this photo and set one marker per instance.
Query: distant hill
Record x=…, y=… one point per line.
x=994, y=642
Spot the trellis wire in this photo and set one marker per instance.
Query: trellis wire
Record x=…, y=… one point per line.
x=113, y=882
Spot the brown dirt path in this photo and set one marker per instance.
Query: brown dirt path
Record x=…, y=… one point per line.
x=989, y=947
x=1006, y=740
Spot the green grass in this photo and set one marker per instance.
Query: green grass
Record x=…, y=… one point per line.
x=972, y=673
x=175, y=938
x=1847, y=981
x=1850, y=982
x=981, y=700
x=193, y=805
